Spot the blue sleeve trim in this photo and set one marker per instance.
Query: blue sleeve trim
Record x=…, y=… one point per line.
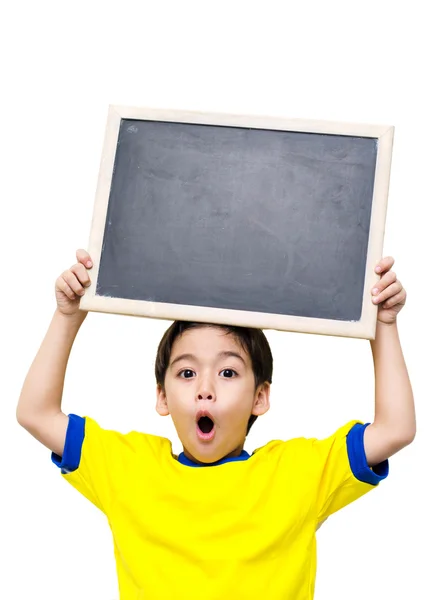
x=70, y=460
x=358, y=459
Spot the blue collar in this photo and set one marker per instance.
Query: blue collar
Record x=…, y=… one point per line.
x=182, y=458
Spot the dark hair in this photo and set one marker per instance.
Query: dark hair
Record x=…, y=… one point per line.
x=253, y=341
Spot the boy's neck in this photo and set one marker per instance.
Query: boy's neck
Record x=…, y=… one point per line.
x=237, y=452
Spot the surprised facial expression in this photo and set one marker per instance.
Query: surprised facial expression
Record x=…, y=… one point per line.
x=209, y=391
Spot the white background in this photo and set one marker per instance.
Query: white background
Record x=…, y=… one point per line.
x=62, y=65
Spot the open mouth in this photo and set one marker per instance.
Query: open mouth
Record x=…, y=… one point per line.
x=205, y=426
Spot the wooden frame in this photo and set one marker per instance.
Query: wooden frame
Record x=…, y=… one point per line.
x=364, y=328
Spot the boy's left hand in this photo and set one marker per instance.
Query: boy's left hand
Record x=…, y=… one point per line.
x=388, y=293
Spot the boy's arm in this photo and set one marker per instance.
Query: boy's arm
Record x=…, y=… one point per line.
x=394, y=424
x=39, y=407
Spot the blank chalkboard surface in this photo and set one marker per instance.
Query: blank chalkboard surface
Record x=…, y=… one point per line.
x=253, y=221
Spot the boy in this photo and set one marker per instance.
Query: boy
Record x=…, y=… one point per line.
x=215, y=522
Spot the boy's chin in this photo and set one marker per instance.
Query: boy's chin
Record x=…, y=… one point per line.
x=207, y=454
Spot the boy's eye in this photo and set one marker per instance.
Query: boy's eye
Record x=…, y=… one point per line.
x=229, y=373
x=186, y=373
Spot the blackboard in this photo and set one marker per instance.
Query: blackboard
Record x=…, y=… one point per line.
x=221, y=220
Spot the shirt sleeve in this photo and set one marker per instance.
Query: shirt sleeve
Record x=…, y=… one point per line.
x=94, y=460
x=344, y=474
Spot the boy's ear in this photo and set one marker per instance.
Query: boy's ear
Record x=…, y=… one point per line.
x=261, y=403
x=161, y=406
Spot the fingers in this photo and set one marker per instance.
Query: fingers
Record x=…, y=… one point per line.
x=384, y=264
x=64, y=287
x=384, y=282
x=380, y=291
x=84, y=258
x=73, y=281
x=81, y=274
x=389, y=291
x=397, y=299
x=75, y=287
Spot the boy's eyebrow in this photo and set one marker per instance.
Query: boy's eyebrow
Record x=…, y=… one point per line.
x=225, y=354
x=231, y=354
x=183, y=357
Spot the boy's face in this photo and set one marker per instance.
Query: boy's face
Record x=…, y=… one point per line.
x=209, y=391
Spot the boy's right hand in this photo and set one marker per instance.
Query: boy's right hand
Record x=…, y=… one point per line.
x=69, y=287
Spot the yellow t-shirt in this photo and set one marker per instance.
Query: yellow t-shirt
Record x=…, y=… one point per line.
x=244, y=529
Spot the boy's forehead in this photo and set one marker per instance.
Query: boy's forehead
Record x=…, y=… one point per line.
x=207, y=339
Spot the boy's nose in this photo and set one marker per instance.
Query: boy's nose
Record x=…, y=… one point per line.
x=206, y=394
x=206, y=388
